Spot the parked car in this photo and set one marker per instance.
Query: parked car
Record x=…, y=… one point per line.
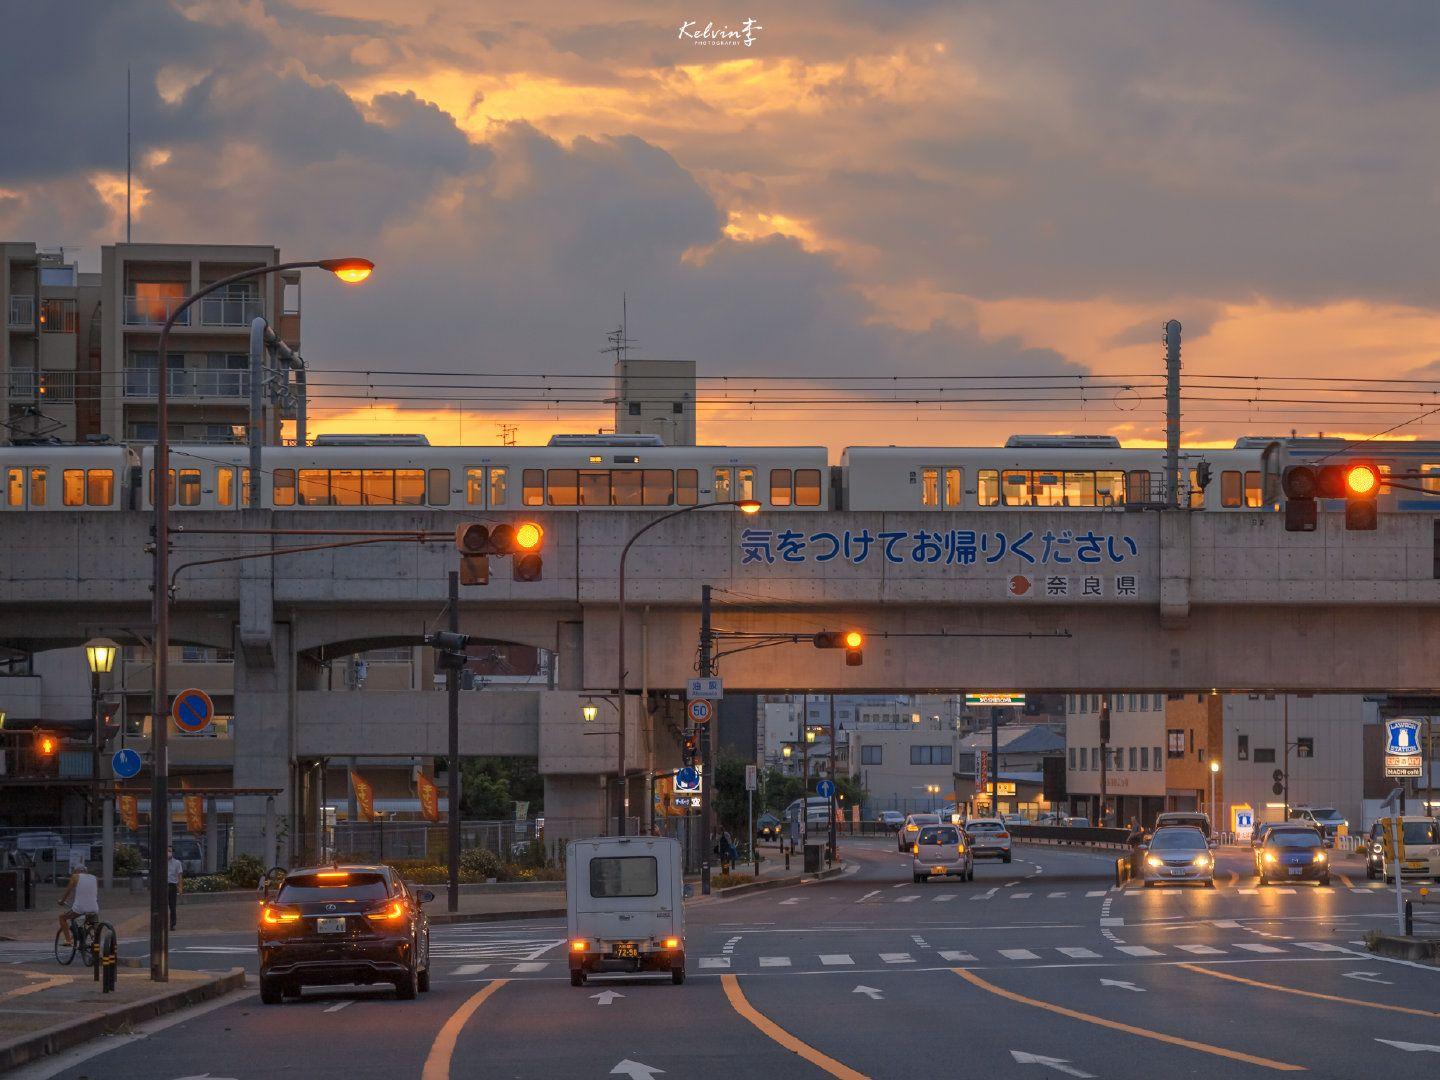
x=336, y=925
x=1421, y=836
x=942, y=850
x=910, y=831
x=1077, y=822
x=190, y=852
x=625, y=901
x=890, y=820
x=1326, y=819
x=1185, y=818
x=1178, y=854
x=1014, y=819
x=989, y=839
x=1293, y=855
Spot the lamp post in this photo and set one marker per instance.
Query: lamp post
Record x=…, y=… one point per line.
x=100, y=658
x=351, y=271
x=748, y=506
x=1214, y=813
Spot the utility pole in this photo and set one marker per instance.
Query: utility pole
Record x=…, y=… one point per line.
x=703, y=742
x=452, y=691
x=1101, y=817
x=1285, y=759
x=804, y=773
x=1172, y=414
x=993, y=780
x=833, y=749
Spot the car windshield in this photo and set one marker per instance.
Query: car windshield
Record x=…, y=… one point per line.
x=940, y=834
x=983, y=826
x=1178, y=840
x=924, y=819
x=1325, y=813
x=1421, y=832
x=332, y=885
x=1293, y=839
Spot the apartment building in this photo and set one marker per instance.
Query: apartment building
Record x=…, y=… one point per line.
x=656, y=397
x=80, y=352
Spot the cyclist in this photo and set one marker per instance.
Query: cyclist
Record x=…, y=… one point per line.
x=82, y=896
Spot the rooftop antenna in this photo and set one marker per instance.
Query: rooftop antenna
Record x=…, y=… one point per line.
x=127, y=154
x=619, y=339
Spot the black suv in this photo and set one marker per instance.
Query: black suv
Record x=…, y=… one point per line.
x=334, y=925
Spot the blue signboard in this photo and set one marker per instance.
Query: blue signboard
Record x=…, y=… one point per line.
x=193, y=710
x=825, y=788
x=125, y=764
x=1402, y=748
x=687, y=779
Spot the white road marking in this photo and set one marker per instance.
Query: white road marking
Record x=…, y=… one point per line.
x=469, y=969
x=1123, y=985
x=340, y=1005
x=1112, y=921
x=1055, y=895
x=896, y=958
x=1247, y=892
x=985, y=895
x=774, y=961
x=1320, y=946
x=1137, y=950
x=1225, y=924
x=715, y=961
x=1248, y=947
x=1019, y=896
x=956, y=957
x=527, y=969
x=873, y=892
x=1201, y=950
x=1019, y=954
x=938, y=899
x=792, y=900
x=1075, y=952
x=835, y=959
x=903, y=899
x=1094, y=893
x=870, y=992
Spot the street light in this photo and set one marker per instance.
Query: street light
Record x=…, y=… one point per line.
x=1214, y=771
x=589, y=712
x=100, y=657
x=351, y=271
x=745, y=506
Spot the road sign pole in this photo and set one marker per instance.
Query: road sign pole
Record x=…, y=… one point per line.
x=705, y=742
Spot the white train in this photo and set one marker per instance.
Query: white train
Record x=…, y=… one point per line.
x=626, y=472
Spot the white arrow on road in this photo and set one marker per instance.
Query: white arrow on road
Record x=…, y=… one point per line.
x=605, y=997
x=1368, y=976
x=636, y=1069
x=1412, y=1047
x=870, y=991
x=1123, y=985
x=1058, y=1064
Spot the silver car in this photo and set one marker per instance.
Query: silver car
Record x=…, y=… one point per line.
x=1178, y=854
x=941, y=850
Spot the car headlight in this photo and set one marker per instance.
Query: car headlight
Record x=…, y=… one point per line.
x=1269, y=856
x=1151, y=860
x=1202, y=861
x=1319, y=856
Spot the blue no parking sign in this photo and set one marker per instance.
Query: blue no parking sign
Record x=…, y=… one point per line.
x=193, y=710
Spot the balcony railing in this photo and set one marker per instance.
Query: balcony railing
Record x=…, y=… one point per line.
x=230, y=310
x=40, y=387
x=22, y=313
x=184, y=382
x=57, y=316
x=153, y=310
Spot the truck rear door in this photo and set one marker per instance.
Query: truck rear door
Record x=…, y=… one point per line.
x=621, y=898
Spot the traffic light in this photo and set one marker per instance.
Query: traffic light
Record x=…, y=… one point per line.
x=1300, y=485
x=1357, y=482
x=477, y=542
x=109, y=721
x=688, y=749
x=452, y=649
x=46, y=744
x=851, y=641
x=1362, y=489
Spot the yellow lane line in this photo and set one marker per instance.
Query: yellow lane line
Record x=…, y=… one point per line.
x=1115, y=1025
x=437, y=1063
x=1310, y=993
x=35, y=988
x=739, y=1003
x=1346, y=879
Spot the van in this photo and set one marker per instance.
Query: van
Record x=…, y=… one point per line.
x=1421, y=840
x=625, y=906
x=817, y=812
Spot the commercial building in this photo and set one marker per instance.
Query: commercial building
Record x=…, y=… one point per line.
x=656, y=397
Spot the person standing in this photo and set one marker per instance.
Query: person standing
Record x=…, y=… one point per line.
x=175, y=878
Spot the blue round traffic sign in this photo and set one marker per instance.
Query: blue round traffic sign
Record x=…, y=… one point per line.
x=125, y=763
x=825, y=788
x=687, y=779
x=193, y=710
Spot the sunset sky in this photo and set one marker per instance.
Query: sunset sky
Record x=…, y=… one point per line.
x=878, y=189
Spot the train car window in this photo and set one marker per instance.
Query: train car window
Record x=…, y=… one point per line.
x=499, y=486
x=378, y=487
x=954, y=487
x=224, y=486
x=1015, y=487
x=15, y=487
x=72, y=487
x=807, y=487
x=314, y=487
x=284, y=487
x=1046, y=489
x=987, y=487
x=1254, y=489
x=627, y=487
x=100, y=487
x=38, y=490
x=532, y=487
x=1232, y=489
x=687, y=486
x=779, y=487
x=1197, y=493
x=439, y=493
x=659, y=487
x=594, y=487
x=475, y=487
x=172, y=487
x=189, y=487
x=347, y=487
x=1430, y=477
x=722, y=485
x=1137, y=489
x=929, y=487
x=1079, y=489
x=562, y=486
x=744, y=483
x=1109, y=488
x=244, y=487
x=410, y=487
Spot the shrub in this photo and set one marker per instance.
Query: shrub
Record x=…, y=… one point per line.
x=128, y=861
x=205, y=883
x=516, y=872
x=421, y=871
x=724, y=881
x=244, y=872
x=478, y=864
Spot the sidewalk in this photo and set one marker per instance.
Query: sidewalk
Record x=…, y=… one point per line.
x=47, y=1010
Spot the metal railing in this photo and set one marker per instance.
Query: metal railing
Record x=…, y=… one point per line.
x=22, y=313
x=188, y=382
x=58, y=316
x=153, y=310
x=380, y=841
x=54, y=386
x=230, y=310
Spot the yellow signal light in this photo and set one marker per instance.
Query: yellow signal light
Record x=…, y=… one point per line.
x=1362, y=480
x=47, y=745
x=528, y=536
x=854, y=639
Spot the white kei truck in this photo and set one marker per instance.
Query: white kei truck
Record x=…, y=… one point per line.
x=625, y=906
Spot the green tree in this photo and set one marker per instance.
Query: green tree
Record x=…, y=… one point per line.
x=729, y=798
x=490, y=786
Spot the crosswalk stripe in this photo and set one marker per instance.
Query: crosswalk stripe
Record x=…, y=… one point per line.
x=836, y=959
x=523, y=969
x=945, y=896
x=1019, y=954
x=956, y=957
x=1094, y=893
x=1225, y=924
x=774, y=961
x=1019, y=896
x=1247, y=892
x=1055, y=895
x=908, y=899
x=1077, y=953
x=1201, y=950
x=1137, y=950
x=984, y=895
x=469, y=969
x=896, y=958
x=1258, y=948
x=715, y=961
x=1281, y=892
x=1320, y=946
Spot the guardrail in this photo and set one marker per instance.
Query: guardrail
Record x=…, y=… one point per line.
x=1066, y=834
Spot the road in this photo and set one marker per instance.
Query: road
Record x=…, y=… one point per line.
x=1038, y=968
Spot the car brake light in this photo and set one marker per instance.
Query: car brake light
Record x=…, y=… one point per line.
x=959, y=849
x=1002, y=836
x=672, y=943
x=273, y=916
x=914, y=850
x=392, y=911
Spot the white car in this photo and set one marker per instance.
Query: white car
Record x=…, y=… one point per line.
x=941, y=850
x=989, y=838
x=910, y=831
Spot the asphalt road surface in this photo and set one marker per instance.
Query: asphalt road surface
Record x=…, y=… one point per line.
x=1039, y=968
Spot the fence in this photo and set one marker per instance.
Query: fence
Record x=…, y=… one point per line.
x=51, y=850
x=386, y=841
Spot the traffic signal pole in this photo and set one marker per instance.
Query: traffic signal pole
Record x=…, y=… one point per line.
x=452, y=692
x=705, y=742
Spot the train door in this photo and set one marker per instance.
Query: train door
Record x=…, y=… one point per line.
x=27, y=487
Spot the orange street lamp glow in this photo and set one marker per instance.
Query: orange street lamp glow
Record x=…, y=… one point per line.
x=749, y=506
x=350, y=271
x=528, y=536
x=1361, y=480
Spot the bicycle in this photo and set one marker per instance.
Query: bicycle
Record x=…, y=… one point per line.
x=81, y=926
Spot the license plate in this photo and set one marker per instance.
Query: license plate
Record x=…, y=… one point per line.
x=1414, y=864
x=626, y=949
x=1175, y=873
x=1296, y=871
x=330, y=926
x=939, y=870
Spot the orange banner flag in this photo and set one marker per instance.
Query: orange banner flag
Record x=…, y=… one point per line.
x=429, y=798
x=364, y=796
x=194, y=812
x=130, y=812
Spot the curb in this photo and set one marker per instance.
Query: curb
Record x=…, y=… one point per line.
x=73, y=1032
x=1397, y=947
x=770, y=883
x=444, y=918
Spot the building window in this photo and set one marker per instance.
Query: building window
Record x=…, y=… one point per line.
x=1264, y=756
x=1144, y=759
x=1132, y=759
x=1175, y=743
x=1305, y=746
x=930, y=755
x=1084, y=759
x=1242, y=747
x=1119, y=759
x=634, y=408
x=1119, y=702
x=1072, y=759
x=677, y=407
x=872, y=755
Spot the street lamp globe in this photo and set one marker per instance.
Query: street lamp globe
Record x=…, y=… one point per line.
x=1214, y=766
x=785, y=752
x=350, y=271
x=589, y=712
x=749, y=506
x=100, y=655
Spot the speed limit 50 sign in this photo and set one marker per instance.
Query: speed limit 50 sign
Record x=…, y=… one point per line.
x=700, y=710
